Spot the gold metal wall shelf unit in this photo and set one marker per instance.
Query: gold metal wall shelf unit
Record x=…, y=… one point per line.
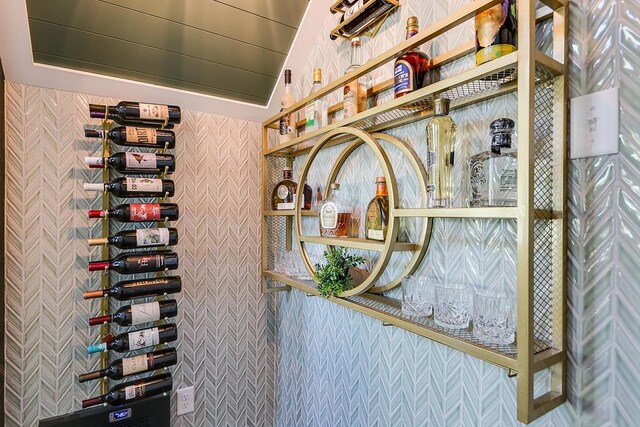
x=540, y=215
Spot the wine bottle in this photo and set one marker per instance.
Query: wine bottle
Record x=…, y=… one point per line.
x=136, y=314
x=138, y=262
x=140, y=364
x=140, y=238
x=140, y=288
x=364, y=20
x=142, y=163
x=135, y=187
x=126, y=112
x=138, y=339
x=129, y=136
x=139, y=212
x=133, y=390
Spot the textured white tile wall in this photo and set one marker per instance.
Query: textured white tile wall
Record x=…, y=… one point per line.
x=340, y=368
x=226, y=329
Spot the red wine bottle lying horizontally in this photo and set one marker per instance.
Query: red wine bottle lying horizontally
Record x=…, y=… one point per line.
x=129, y=136
x=139, y=288
x=139, y=364
x=136, y=314
x=140, y=212
x=133, y=390
x=140, y=238
x=138, y=262
x=138, y=339
x=140, y=163
x=127, y=112
x=135, y=187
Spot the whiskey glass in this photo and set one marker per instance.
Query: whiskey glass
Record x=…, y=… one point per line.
x=417, y=296
x=453, y=306
x=494, y=319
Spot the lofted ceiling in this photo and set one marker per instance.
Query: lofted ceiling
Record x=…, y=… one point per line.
x=233, y=49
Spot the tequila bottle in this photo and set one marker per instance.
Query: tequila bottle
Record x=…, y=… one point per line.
x=441, y=136
x=377, y=218
x=335, y=215
x=493, y=174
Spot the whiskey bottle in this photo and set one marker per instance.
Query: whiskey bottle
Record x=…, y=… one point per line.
x=441, y=136
x=496, y=31
x=377, y=219
x=411, y=70
x=316, y=113
x=355, y=92
x=493, y=173
x=285, y=191
x=335, y=215
x=287, y=124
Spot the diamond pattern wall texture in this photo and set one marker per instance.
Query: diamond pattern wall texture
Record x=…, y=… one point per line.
x=226, y=330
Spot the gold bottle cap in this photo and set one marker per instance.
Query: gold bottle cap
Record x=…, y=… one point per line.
x=287, y=168
x=335, y=186
x=412, y=21
x=381, y=179
x=98, y=241
x=441, y=106
x=317, y=75
x=356, y=41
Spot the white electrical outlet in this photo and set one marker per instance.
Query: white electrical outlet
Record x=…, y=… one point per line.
x=184, y=401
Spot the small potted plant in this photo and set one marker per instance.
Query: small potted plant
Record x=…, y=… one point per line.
x=339, y=273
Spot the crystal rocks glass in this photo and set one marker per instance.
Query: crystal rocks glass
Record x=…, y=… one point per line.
x=417, y=296
x=453, y=306
x=494, y=319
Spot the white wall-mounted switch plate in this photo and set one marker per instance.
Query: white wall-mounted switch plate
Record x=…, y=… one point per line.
x=595, y=124
x=184, y=401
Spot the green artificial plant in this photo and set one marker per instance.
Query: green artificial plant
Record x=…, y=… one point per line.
x=333, y=278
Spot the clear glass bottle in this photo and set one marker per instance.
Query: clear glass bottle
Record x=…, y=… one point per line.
x=316, y=112
x=287, y=124
x=377, y=216
x=335, y=215
x=355, y=92
x=441, y=137
x=411, y=70
x=493, y=174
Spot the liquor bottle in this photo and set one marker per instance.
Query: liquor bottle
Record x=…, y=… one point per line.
x=129, y=136
x=126, y=112
x=138, y=262
x=335, y=214
x=342, y=6
x=141, y=163
x=287, y=124
x=377, y=219
x=441, y=136
x=355, y=92
x=316, y=113
x=364, y=20
x=140, y=364
x=411, y=70
x=138, y=339
x=140, y=288
x=493, y=174
x=285, y=191
x=133, y=390
x=140, y=238
x=135, y=314
x=139, y=212
x=496, y=31
x=135, y=187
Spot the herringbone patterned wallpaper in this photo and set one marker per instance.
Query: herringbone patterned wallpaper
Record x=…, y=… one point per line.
x=341, y=368
x=226, y=329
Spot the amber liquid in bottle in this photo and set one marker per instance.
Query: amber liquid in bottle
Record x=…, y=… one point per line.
x=335, y=215
x=411, y=70
x=377, y=219
x=496, y=32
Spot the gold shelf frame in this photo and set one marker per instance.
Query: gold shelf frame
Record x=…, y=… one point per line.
x=525, y=70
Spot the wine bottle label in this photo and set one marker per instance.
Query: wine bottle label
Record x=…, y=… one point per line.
x=141, y=135
x=351, y=98
x=141, y=161
x=329, y=215
x=144, y=211
x=154, y=111
x=131, y=365
x=152, y=236
x=143, y=313
x=144, y=185
x=143, y=338
x=133, y=391
x=375, y=234
x=353, y=9
x=403, y=78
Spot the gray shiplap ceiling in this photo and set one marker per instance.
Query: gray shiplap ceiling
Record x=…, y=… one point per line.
x=233, y=49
